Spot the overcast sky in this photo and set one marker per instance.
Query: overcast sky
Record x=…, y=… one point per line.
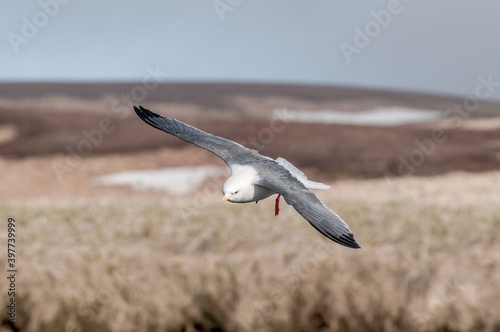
x=430, y=46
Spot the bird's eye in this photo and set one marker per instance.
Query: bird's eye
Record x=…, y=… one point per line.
x=236, y=192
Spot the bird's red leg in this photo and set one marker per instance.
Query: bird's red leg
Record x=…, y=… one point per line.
x=256, y=202
x=277, y=206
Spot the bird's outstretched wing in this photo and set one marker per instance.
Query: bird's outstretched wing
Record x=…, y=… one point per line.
x=306, y=203
x=225, y=149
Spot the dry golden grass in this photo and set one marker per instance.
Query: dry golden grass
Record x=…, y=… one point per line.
x=430, y=262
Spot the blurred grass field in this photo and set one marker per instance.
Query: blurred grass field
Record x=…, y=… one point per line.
x=430, y=261
x=113, y=259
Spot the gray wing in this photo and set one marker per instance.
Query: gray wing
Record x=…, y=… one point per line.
x=307, y=204
x=229, y=151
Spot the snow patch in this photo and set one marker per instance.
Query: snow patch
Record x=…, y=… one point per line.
x=176, y=181
x=382, y=116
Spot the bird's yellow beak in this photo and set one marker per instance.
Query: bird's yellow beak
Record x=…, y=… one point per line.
x=225, y=198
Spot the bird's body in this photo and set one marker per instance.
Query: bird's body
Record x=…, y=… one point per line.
x=255, y=177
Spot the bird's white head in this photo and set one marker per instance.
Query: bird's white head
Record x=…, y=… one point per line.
x=233, y=192
x=238, y=190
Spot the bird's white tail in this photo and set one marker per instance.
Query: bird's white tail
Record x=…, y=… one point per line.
x=300, y=175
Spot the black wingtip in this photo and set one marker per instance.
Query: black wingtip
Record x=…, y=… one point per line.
x=346, y=240
x=142, y=112
x=352, y=242
x=145, y=114
x=170, y=126
x=355, y=246
x=138, y=111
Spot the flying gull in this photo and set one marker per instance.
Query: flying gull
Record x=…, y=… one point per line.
x=255, y=177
